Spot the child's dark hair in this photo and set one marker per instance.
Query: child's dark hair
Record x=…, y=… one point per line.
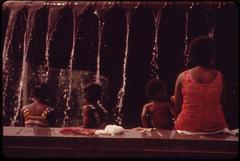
x=155, y=86
x=201, y=50
x=42, y=92
x=93, y=92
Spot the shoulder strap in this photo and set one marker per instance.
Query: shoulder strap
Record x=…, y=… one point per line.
x=219, y=78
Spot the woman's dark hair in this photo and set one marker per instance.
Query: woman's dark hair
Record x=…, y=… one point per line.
x=202, y=50
x=155, y=86
x=93, y=92
x=42, y=92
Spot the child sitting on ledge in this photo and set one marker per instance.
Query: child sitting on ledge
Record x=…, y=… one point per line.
x=38, y=114
x=94, y=115
x=158, y=111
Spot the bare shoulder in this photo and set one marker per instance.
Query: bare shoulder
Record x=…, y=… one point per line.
x=180, y=77
x=182, y=74
x=86, y=107
x=25, y=107
x=148, y=105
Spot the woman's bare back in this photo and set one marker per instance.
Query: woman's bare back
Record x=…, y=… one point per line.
x=203, y=75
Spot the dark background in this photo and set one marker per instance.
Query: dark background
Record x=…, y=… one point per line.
x=171, y=35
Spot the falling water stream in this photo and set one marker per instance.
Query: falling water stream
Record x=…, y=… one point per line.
x=121, y=92
x=186, y=56
x=100, y=12
x=53, y=19
x=22, y=94
x=76, y=13
x=100, y=30
x=7, y=64
x=154, y=65
x=100, y=26
x=7, y=42
x=211, y=25
x=14, y=11
x=9, y=34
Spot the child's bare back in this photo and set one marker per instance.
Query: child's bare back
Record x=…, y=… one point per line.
x=158, y=111
x=159, y=114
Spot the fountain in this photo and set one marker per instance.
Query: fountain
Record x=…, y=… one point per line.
x=22, y=67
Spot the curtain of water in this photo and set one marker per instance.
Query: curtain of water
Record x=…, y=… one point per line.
x=100, y=30
x=22, y=96
x=121, y=93
x=76, y=13
x=154, y=65
x=186, y=56
x=53, y=19
x=100, y=12
x=7, y=42
x=27, y=39
x=9, y=34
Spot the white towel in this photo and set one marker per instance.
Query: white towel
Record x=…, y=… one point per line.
x=110, y=130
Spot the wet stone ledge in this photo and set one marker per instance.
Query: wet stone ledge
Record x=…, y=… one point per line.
x=19, y=142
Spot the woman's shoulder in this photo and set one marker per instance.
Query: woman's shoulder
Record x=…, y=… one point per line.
x=182, y=75
x=148, y=105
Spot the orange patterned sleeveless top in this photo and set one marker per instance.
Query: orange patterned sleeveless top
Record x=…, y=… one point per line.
x=201, y=108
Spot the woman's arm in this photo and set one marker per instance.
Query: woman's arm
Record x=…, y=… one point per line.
x=224, y=94
x=171, y=107
x=178, y=95
x=144, y=117
x=224, y=99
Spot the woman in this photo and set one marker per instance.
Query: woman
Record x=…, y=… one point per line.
x=199, y=90
x=38, y=114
